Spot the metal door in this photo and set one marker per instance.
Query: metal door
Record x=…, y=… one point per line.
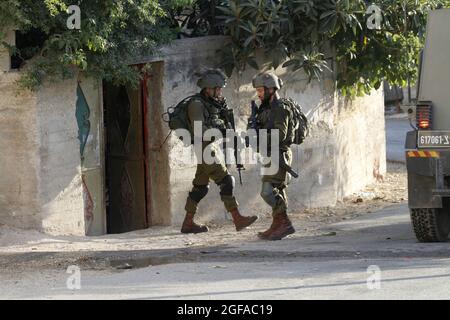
x=125, y=159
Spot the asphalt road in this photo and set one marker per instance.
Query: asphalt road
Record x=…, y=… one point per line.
x=374, y=256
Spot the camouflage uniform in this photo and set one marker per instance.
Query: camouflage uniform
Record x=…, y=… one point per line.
x=274, y=114
x=207, y=110
x=200, y=110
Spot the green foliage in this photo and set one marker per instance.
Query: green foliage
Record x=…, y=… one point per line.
x=113, y=33
x=300, y=34
x=308, y=33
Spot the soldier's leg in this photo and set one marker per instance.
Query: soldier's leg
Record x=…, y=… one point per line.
x=274, y=194
x=274, y=197
x=274, y=187
x=220, y=175
x=198, y=192
x=226, y=186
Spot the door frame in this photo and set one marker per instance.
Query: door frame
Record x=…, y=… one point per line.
x=145, y=132
x=143, y=86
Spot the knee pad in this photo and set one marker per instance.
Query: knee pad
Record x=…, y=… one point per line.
x=198, y=192
x=227, y=185
x=269, y=195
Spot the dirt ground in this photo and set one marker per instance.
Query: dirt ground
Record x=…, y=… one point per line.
x=378, y=195
x=27, y=248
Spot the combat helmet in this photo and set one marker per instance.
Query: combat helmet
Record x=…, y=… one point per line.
x=268, y=80
x=212, y=78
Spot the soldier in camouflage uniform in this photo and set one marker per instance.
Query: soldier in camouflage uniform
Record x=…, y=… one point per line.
x=205, y=108
x=273, y=114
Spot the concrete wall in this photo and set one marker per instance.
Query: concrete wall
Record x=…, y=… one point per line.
x=41, y=183
x=60, y=188
x=346, y=149
x=19, y=161
x=158, y=186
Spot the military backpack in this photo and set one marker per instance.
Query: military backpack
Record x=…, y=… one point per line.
x=298, y=123
x=177, y=117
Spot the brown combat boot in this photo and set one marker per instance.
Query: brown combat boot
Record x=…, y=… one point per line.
x=283, y=227
x=265, y=234
x=240, y=221
x=189, y=226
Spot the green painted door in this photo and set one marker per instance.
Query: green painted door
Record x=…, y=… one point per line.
x=125, y=165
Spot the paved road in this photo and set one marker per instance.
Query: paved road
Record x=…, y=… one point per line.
x=332, y=265
x=396, y=129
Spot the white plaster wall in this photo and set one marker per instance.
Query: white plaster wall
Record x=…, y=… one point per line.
x=40, y=182
x=19, y=160
x=60, y=188
x=360, y=132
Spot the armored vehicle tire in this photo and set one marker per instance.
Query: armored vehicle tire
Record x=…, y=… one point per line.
x=431, y=224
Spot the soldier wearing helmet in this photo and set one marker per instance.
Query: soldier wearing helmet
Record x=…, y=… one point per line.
x=205, y=107
x=273, y=114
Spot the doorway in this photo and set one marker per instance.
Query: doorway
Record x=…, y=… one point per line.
x=125, y=158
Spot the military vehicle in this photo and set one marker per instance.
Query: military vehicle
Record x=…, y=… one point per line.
x=427, y=147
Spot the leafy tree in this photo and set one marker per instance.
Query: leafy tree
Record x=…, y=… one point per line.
x=311, y=33
x=300, y=34
x=113, y=34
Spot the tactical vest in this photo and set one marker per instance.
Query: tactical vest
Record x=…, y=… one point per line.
x=297, y=124
x=265, y=121
x=212, y=114
x=177, y=117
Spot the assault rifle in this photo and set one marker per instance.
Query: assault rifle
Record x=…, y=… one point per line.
x=228, y=115
x=252, y=123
